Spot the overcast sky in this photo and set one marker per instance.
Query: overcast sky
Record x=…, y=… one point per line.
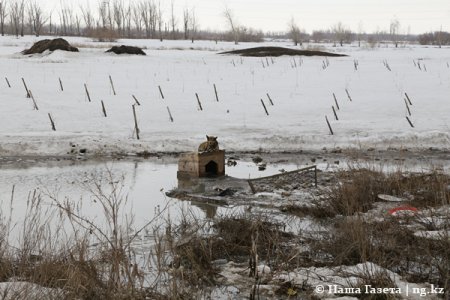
x=415, y=16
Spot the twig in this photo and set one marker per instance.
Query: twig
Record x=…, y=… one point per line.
x=87, y=92
x=136, y=100
x=335, y=115
x=135, y=122
x=329, y=126
x=335, y=100
x=160, y=91
x=112, y=85
x=198, y=101
x=34, y=101
x=409, y=121
x=270, y=100
x=103, y=109
x=170, y=115
x=265, y=108
x=215, y=91
x=61, y=85
x=51, y=122
x=7, y=81
x=26, y=88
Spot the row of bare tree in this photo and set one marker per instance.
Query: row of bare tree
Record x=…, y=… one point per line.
x=140, y=19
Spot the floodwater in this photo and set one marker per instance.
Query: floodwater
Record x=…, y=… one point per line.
x=141, y=186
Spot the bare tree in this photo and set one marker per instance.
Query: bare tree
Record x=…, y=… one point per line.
x=360, y=32
x=235, y=29
x=194, y=25
x=36, y=17
x=22, y=17
x=14, y=17
x=3, y=15
x=127, y=20
x=118, y=15
x=394, y=28
x=88, y=17
x=340, y=33
x=66, y=19
x=159, y=18
x=294, y=32
x=186, y=22
x=149, y=16
x=173, y=19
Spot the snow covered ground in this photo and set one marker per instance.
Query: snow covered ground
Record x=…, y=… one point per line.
x=302, y=93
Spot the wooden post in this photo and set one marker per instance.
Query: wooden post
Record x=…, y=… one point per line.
x=409, y=121
x=112, y=85
x=26, y=88
x=34, y=101
x=335, y=101
x=329, y=126
x=409, y=100
x=265, y=109
x=136, y=128
x=198, y=101
x=61, y=85
x=160, y=91
x=136, y=100
x=215, y=91
x=87, y=92
x=7, y=81
x=170, y=115
x=335, y=115
x=51, y=122
x=103, y=109
x=270, y=100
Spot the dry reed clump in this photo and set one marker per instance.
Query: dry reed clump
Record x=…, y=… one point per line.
x=357, y=190
x=55, y=250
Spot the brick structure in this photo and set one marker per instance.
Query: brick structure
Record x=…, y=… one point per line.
x=205, y=164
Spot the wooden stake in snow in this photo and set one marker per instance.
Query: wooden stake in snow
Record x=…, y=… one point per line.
x=87, y=92
x=409, y=100
x=136, y=100
x=265, y=108
x=270, y=100
x=198, y=101
x=160, y=91
x=409, y=121
x=61, y=85
x=103, y=109
x=335, y=114
x=170, y=115
x=136, y=128
x=335, y=101
x=34, y=101
x=7, y=81
x=26, y=88
x=112, y=85
x=215, y=91
x=51, y=122
x=407, y=107
x=348, y=95
x=329, y=126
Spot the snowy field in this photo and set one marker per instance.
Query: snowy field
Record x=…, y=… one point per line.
x=301, y=90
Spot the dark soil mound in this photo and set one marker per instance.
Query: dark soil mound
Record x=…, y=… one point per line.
x=52, y=45
x=278, y=51
x=126, y=50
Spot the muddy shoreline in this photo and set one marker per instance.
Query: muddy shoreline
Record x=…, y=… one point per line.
x=427, y=158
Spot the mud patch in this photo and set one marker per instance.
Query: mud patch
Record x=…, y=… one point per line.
x=279, y=51
x=51, y=45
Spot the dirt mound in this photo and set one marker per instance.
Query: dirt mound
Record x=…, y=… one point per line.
x=52, y=45
x=278, y=51
x=126, y=50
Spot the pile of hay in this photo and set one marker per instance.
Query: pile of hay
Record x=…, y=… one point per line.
x=278, y=51
x=126, y=50
x=52, y=45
